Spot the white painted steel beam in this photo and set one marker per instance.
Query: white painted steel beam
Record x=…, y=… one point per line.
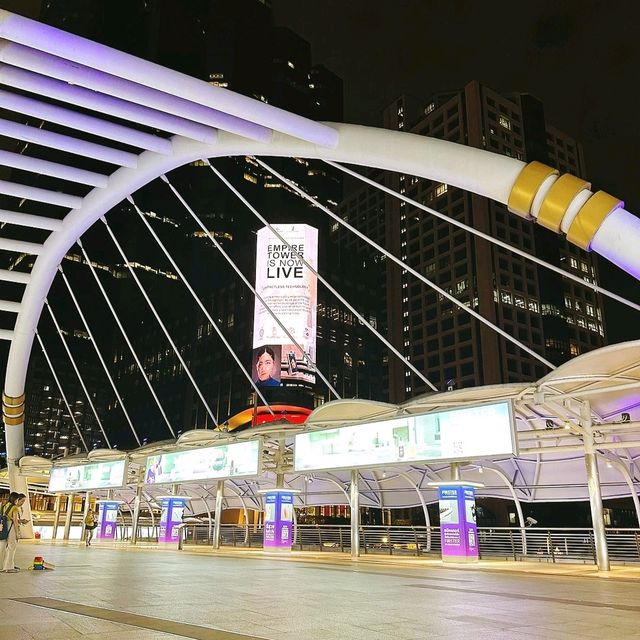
x=10, y=306
x=80, y=50
x=82, y=122
x=53, y=169
x=102, y=103
x=14, y=276
x=28, y=220
x=39, y=195
x=61, y=142
x=20, y=246
x=6, y=334
x=79, y=75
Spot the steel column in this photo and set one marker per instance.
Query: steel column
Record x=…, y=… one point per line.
x=593, y=483
x=354, y=503
x=218, y=514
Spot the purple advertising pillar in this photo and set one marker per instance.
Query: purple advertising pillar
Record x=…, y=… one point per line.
x=107, y=519
x=171, y=518
x=458, y=529
x=278, y=519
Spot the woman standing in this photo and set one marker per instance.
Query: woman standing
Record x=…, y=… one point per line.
x=8, y=546
x=90, y=523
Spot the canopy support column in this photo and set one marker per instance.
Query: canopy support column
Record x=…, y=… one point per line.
x=136, y=514
x=355, y=515
x=218, y=514
x=68, y=515
x=593, y=483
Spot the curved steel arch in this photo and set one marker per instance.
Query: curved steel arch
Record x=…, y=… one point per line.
x=562, y=203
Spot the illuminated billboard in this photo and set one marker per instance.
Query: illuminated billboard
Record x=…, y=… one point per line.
x=99, y=475
x=291, y=291
x=224, y=461
x=458, y=434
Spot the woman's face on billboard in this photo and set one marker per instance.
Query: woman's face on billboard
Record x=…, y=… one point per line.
x=264, y=366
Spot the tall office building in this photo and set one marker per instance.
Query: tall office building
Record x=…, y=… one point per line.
x=208, y=39
x=554, y=316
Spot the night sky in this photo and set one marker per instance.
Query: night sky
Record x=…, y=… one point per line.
x=580, y=58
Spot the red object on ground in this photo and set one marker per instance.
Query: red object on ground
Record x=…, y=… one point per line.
x=37, y=535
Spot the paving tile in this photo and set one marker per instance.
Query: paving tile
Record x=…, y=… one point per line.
x=309, y=598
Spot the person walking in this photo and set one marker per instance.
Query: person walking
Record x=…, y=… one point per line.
x=90, y=523
x=11, y=510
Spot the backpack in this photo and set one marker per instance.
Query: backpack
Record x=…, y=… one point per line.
x=5, y=523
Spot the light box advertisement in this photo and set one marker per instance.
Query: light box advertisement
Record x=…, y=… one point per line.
x=291, y=291
x=99, y=475
x=458, y=434
x=208, y=463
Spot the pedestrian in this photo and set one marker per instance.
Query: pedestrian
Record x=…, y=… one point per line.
x=8, y=547
x=90, y=523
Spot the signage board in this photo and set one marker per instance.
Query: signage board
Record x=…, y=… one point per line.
x=99, y=475
x=290, y=290
x=456, y=434
x=208, y=463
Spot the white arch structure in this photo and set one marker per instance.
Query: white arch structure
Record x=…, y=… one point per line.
x=194, y=120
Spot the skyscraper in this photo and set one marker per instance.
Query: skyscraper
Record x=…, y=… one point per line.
x=209, y=40
x=555, y=317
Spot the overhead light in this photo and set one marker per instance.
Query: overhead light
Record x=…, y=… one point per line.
x=480, y=469
x=384, y=474
x=609, y=465
x=567, y=425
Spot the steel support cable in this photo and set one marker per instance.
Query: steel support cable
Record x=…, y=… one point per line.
x=126, y=337
x=75, y=368
x=199, y=302
x=403, y=265
x=321, y=279
x=253, y=290
x=99, y=354
x=134, y=275
x=488, y=238
x=64, y=397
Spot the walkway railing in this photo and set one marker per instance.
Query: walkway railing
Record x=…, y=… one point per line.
x=509, y=543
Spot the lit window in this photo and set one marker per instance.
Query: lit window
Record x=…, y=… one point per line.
x=429, y=108
x=249, y=178
x=441, y=189
x=291, y=65
x=505, y=122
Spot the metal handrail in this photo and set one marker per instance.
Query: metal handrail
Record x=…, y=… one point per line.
x=549, y=544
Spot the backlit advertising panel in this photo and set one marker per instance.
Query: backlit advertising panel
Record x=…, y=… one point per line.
x=458, y=434
x=208, y=463
x=291, y=291
x=99, y=475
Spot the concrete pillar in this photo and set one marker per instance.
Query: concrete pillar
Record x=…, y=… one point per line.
x=355, y=515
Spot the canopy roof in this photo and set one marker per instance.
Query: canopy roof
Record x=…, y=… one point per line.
x=549, y=467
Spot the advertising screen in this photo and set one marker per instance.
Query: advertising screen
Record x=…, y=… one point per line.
x=224, y=461
x=100, y=475
x=458, y=434
x=291, y=292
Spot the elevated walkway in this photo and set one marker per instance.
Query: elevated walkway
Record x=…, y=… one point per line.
x=126, y=593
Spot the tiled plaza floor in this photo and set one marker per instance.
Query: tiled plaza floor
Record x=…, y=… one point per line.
x=122, y=593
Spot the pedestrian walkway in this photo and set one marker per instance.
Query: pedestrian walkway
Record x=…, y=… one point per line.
x=142, y=593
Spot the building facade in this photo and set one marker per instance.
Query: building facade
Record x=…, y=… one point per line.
x=554, y=316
